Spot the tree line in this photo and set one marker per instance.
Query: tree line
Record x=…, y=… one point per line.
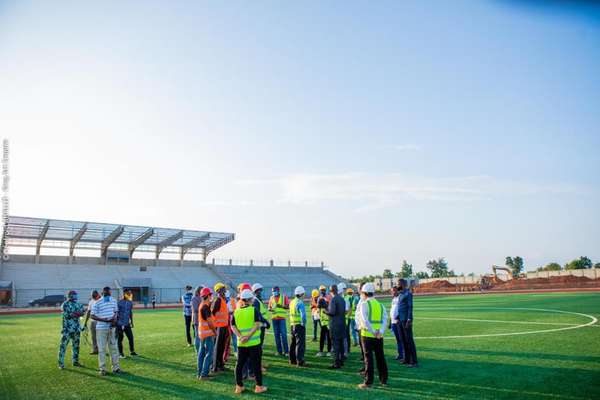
x=438, y=268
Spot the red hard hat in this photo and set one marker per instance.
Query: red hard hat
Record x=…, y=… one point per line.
x=205, y=292
x=246, y=286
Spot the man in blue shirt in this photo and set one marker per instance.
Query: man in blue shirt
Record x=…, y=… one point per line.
x=298, y=327
x=125, y=323
x=186, y=299
x=405, y=316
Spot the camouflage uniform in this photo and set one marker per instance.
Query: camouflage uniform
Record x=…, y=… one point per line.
x=71, y=330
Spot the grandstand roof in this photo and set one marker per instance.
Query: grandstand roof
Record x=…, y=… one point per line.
x=33, y=232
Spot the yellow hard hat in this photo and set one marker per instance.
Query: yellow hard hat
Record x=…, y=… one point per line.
x=314, y=293
x=350, y=290
x=322, y=287
x=218, y=286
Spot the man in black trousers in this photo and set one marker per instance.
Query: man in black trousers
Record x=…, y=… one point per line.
x=405, y=315
x=337, y=326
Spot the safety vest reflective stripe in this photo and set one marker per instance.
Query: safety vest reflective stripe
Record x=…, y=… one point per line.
x=277, y=312
x=375, y=313
x=244, y=321
x=295, y=317
x=222, y=314
x=205, y=330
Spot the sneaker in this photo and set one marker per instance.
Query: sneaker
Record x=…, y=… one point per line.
x=328, y=354
x=133, y=353
x=204, y=378
x=77, y=364
x=60, y=366
x=122, y=356
x=239, y=389
x=286, y=354
x=320, y=354
x=260, y=389
x=102, y=372
x=117, y=371
x=364, y=386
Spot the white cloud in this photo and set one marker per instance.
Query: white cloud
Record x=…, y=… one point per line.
x=374, y=191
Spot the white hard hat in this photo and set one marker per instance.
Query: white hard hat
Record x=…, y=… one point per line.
x=299, y=290
x=368, y=288
x=246, y=294
x=256, y=286
x=341, y=286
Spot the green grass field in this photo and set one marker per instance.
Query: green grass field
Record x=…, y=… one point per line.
x=490, y=359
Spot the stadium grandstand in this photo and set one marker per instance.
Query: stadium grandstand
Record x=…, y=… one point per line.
x=45, y=257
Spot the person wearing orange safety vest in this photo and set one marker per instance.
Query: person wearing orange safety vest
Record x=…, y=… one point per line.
x=246, y=324
x=220, y=313
x=279, y=305
x=207, y=332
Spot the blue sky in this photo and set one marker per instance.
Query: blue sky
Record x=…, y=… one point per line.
x=355, y=133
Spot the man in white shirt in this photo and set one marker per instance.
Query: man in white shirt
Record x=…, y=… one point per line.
x=95, y=297
x=373, y=321
x=357, y=325
x=105, y=311
x=395, y=323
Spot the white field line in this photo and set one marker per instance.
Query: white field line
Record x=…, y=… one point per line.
x=592, y=323
x=498, y=321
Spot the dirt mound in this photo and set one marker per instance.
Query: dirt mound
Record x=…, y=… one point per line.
x=569, y=279
x=436, y=285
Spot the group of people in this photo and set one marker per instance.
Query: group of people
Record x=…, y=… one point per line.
x=112, y=320
x=219, y=321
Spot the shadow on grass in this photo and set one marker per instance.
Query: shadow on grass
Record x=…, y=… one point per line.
x=519, y=355
x=436, y=379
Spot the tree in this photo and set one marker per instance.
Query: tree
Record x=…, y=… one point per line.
x=551, y=267
x=387, y=273
x=407, y=269
x=515, y=264
x=422, y=275
x=438, y=268
x=580, y=263
x=597, y=265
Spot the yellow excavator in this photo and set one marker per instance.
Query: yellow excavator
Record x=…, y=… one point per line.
x=508, y=271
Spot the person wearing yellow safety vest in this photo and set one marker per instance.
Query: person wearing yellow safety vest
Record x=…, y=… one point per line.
x=246, y=324
x=298, y=328
x=323, y=305
x=279, y=305
x=372, y=317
